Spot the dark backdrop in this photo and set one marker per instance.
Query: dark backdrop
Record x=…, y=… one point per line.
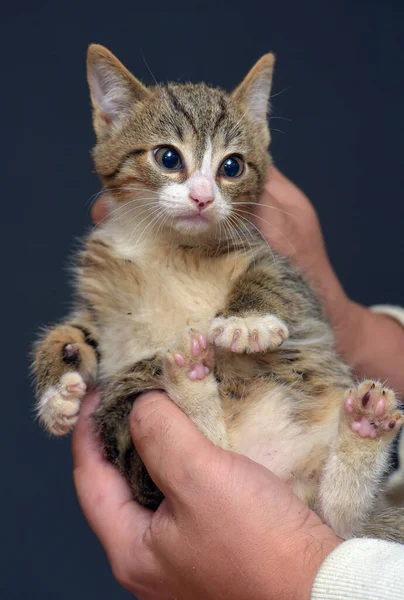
x=339, y=79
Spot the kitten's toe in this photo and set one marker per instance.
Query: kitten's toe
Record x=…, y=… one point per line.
x=255, y=333
x=58, y=408
x=191, y=356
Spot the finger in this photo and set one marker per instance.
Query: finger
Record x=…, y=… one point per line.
x=99, y=210
x=168, y=442
x=276, y=174
x=283, y=190
x=104, y=495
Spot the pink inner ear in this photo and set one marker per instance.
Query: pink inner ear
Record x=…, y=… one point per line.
x=105, y=117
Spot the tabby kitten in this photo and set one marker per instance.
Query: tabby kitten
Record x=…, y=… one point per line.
x=176, y=290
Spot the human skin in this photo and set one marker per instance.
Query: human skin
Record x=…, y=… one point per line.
x=228, y=528
x=373, y=344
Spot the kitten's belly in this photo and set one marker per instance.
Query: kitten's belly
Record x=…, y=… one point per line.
x=267, y=433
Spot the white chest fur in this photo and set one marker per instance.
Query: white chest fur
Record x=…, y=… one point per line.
x=173, y=289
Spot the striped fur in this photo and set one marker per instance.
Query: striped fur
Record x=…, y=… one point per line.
x=146, y=282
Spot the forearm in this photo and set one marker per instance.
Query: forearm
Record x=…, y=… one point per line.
x=372, y=343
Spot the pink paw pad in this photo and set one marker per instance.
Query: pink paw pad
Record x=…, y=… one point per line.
x=179, y=360
x=373, y=411
x=199, y=371
x=364, y=428
x=193, y=354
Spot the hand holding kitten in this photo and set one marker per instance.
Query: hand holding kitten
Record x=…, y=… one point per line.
x=264, y=543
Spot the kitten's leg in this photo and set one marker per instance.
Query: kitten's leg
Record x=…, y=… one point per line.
x=190, y=382
x=111, y=419
x=185, y=374
x=65, y=363
x=252, y=320
x=358, y=459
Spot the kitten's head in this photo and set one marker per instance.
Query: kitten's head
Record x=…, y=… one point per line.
x=180, y=158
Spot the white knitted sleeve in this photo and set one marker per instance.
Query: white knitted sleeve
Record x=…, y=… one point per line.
x=362, y=569
x=395, y=312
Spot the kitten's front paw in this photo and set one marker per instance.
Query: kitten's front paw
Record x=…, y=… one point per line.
x=58, y=408
x=190, y=357
x=248, y=334
x=372, y=411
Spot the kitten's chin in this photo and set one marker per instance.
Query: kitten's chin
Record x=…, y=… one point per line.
x=192, y=230
x=193, y=224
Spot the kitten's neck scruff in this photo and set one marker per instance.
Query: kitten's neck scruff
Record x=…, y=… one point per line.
x=179, y=163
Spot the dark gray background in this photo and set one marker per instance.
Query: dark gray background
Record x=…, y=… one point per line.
x=339, y=79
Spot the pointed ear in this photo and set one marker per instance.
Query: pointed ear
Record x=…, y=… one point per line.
x=253, y=92
x=113, y=89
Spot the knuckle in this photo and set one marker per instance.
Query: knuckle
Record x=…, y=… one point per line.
x=148, y=418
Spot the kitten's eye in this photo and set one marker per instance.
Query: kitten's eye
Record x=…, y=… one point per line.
x=168, y=158
x=233, y=166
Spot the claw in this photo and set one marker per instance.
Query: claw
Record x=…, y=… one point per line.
x=77, y=387
x=236, y=335
x=365, y=399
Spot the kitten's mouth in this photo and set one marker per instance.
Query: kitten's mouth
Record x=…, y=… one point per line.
x=196, y=219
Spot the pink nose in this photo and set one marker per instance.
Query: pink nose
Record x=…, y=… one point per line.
x=202, y=200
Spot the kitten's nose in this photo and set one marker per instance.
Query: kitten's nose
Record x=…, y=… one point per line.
x=202, y=200
x=201, y=191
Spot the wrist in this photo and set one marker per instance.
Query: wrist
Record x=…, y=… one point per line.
x=295, y=563
x=311, y=552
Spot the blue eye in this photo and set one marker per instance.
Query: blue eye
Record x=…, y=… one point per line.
x=233, y=166
x=168, y=158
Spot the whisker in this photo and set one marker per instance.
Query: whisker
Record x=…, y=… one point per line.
x=282, y=118
x=235, y=230
x=147, y=226
x=259, y=232
x=242, y=227
x=135, y=201
x=270, y=225
x=268, y=206
x=281, y=92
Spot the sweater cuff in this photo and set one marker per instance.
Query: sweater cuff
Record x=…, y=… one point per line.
x=395, y=312
x=361, y=569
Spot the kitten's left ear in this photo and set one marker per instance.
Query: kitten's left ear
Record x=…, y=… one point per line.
x=114, y=90
x=253, y=92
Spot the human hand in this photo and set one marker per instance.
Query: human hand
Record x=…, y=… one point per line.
x=228, y=528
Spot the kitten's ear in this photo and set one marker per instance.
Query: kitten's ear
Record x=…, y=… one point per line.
x=253, y=92
x=113, y=89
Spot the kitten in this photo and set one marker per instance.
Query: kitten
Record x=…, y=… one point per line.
x=177, y=290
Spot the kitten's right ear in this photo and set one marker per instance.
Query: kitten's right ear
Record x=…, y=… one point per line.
x=113, y=89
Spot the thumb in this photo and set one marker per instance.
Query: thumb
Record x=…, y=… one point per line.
x=169, y=444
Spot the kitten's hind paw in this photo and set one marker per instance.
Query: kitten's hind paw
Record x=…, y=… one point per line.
x=248, y=334
x=58, y=408
x=191, y=357
x=372, y=411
